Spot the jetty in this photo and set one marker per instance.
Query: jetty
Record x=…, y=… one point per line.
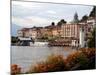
x=25, y=41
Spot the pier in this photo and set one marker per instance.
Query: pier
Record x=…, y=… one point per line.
x=25, y=41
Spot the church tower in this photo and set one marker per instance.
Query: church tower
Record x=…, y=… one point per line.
x=75, y=20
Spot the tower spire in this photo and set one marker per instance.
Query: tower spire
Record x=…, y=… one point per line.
x=76, y=18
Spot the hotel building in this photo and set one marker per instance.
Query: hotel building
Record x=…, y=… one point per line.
x=70, y=32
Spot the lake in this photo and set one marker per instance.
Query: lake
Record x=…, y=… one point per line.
x=25, y=56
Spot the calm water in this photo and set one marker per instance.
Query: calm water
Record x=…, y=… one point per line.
x=25, y=56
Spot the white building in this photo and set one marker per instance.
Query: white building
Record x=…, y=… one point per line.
x=82, y=38
x=23, y=32
x=19, y=33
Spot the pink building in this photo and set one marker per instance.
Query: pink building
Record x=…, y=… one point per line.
x=23, y=32
x=33, y=33
x=71, y=33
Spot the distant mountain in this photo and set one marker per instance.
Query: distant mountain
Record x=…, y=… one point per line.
x=14, y=29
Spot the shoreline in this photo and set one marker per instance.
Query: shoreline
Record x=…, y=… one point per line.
x=90, y=54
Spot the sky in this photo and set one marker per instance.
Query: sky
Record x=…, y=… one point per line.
x=29, y=14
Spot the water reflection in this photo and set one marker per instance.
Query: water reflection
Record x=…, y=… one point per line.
x=27, y=56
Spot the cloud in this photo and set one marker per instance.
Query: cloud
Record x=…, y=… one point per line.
x=51, y=12
x=32, y=21
x=42, y=21
x=28, y=14
x=21, y=21
x=25, y=4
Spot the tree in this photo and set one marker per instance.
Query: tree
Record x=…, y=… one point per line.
x=59, y=23
x=84, y=18
x=14, y=39
x=92, y=40
x=53, y=23
x=62, y=21
x=93, y=12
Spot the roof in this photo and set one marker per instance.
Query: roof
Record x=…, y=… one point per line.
x=24, y=29
x=91, y=18
x=73, y=24
x=21, y=38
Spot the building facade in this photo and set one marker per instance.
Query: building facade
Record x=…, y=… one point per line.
x=23, y=32
x=91, y=22
x=33, y=33
x=70, y=32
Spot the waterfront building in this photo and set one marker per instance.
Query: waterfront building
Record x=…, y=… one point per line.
x=49, y=30
x=20, y=33
x=75, y=34
x=38, y=34
x=33, y=33
x=23, y=32
x=55, y=32
x=30, y=32
x=70, y=32
x=59, y=31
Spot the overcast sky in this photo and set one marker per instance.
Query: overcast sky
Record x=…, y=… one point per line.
x=29, y=14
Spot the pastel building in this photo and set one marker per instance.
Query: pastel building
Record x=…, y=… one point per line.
x=56, y=31
x=20, y=33
x=71, y=33
x=33, y=33
x=29, y=33
x=23, y=32
x=70, y=30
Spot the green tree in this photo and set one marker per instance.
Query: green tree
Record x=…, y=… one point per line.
x=62, y=21
x=53, y=23
x=14, y=39
x=59, y=23
x=92, y=41
x=84, y=18
x=93, y=12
